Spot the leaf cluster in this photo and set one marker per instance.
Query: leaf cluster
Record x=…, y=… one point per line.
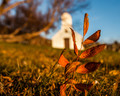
x=77, y=66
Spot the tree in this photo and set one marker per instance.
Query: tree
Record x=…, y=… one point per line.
x=29, y=19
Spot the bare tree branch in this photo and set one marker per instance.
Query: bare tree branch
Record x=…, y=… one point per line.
x=28, y=22
x=11, y=7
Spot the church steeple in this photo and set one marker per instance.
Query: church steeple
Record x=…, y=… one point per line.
x=66, y=20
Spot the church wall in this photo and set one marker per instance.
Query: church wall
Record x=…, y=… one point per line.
x=58, y=39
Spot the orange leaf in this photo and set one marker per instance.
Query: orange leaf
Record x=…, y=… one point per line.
x=83, y=87
x=71, y=81
x=75, y=46
x=70, y=67
x=62, y=90
x=62, y=60
x=89, y=67
x=7, y=78
x=93, y=38
x=92, y=51
x=86, y=24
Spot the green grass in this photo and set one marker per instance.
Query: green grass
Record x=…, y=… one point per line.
x=25, y=70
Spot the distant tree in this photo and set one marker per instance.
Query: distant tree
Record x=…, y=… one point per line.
x=30, y=19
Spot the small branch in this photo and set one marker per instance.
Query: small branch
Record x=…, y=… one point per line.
x=11, y=7
x=16, y=31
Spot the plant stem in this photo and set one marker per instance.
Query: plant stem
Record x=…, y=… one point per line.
x=52, y=69
x=80, y=48
x=69, y=90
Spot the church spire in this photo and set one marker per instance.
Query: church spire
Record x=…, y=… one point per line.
x=66, y=20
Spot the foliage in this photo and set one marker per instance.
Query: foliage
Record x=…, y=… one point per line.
x=77, y=66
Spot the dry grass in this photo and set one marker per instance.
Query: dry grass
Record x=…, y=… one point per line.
x=26, y=70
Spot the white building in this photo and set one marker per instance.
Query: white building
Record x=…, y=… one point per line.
x=63, y=38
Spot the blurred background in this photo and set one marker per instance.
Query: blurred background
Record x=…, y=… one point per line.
x=103, y=15
x=25, y=21
x=26, y=30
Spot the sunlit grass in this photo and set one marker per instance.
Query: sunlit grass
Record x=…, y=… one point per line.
x=25, y=70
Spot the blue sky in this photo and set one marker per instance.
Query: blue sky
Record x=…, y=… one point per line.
x=104, y=15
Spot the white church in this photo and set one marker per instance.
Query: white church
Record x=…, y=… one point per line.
x=63, y=38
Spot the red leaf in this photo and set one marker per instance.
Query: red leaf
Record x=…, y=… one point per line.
x=75, y=46
x=83, y=87
x=62, y=90
x=70, y=67
x=92, y=51
x=62, y=60
x=88, y=67
x=93, y=38
x=86, y=24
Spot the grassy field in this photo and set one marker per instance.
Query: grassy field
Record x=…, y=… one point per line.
x=25, y=70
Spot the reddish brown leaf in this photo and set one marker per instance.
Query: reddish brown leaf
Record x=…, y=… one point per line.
x=86, y=24
x=92, y=51
x=83, y=87
x=93, y=38
x=70, y=67
x=62, y=90
x=62, y=60
x=88, y=67
x=75, y=46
